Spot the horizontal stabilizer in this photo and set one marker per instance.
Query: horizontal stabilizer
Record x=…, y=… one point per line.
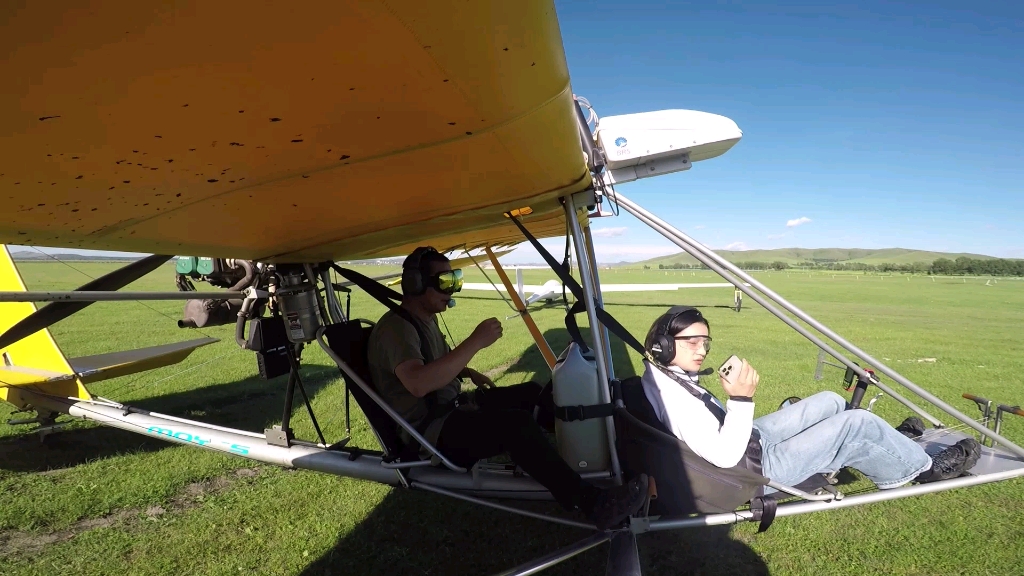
x=114, y=364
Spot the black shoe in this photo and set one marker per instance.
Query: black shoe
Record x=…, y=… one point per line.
x=614, y=505
x=912, y=427
x=953, y=461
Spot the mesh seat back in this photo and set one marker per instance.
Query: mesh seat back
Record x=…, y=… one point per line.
x=686, y=483
x=350, y=341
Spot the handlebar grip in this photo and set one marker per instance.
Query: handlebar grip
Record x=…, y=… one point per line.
x=977, y=399
x=1012, y=409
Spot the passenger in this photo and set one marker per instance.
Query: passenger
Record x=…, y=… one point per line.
x=815, y=435
x=466, y=427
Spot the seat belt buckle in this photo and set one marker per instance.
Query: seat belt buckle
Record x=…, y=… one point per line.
x=570, y=413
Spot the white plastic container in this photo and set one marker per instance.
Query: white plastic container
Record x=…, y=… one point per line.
x=575, y=382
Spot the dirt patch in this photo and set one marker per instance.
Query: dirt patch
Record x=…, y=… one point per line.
x=23, y=542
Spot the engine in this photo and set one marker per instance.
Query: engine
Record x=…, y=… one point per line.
x=230, y=273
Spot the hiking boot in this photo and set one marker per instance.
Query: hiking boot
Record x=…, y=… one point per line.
x=614, y=505
x=912, y=427
x=953, y=461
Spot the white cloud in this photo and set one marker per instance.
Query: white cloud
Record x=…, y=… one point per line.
x=736, y=246
x=608, y=232
x=797, y=221
x=776, y=236
x=701, y=227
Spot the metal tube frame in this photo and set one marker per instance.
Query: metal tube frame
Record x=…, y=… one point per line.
x=524, y=312
x=560, y=555
x=681, y=238
x=600, y=344
x=795, y=508
x=589, y=238
x=785, y=319
x=115, y=296
x=1000, y=410
x=805, y=495
x=384, y=405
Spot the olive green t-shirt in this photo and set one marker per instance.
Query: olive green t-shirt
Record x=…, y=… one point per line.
x=394, y=341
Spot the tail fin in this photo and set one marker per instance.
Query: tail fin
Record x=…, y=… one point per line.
x=34, y=363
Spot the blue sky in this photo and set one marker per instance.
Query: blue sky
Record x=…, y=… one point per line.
x=887, y=124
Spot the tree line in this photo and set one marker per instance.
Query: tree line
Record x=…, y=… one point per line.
x=942, y=267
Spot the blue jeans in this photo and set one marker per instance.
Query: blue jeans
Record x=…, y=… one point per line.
x=819, y=435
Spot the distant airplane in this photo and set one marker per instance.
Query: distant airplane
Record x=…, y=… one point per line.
x=552, y=289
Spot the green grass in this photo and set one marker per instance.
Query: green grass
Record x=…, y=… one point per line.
x=78, y=503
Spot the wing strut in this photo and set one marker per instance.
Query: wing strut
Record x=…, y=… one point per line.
x=54, y=312
x=538, y=338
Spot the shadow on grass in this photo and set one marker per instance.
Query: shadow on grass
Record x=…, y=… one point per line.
x=252, y=404
x=412, y=532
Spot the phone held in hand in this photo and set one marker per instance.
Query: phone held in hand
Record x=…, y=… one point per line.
x=730, y=370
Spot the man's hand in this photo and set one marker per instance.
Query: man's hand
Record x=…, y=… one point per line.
x=746, y=382
x=479, y=379
x=486, y=333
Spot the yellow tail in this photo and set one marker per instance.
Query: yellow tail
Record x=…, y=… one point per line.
x=34, y=363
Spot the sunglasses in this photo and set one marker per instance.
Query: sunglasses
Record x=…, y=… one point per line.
x=448, y=282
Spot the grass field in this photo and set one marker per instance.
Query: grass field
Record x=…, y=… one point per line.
x=93, y=500
x=798, y=256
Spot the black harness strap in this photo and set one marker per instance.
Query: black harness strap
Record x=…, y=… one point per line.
x=577, y=291
x=574, y=413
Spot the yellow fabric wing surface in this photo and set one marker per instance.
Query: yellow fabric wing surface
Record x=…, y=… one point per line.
x=283, y=132
x=34, y=360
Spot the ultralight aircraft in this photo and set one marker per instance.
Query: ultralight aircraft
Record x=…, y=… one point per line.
x=274, y=140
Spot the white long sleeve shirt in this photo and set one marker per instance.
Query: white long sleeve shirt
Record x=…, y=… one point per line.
x=692, y=422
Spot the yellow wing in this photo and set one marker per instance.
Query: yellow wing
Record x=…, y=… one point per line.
x=283, y=132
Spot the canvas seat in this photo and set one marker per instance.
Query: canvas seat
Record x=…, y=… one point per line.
x=350, y=341
x=686, y=483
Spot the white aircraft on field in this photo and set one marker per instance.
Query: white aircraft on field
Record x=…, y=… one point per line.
x=551, y=290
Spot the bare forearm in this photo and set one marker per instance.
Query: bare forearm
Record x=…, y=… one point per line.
x=422, y=379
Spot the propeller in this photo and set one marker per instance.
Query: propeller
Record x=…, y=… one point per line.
x=56, y=311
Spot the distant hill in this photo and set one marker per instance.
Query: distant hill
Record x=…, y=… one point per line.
x=31, y=255
x=796, y=256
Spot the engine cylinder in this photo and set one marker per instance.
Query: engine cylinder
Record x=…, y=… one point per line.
x=297, y=299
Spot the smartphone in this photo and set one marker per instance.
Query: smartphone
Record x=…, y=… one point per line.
x=730, y=370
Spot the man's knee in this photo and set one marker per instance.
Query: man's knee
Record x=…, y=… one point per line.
x=532, y=386
x=512, y=419
x=831, y=397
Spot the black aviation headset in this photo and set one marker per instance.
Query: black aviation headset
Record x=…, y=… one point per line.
x=416, y=278
x=663, y=345
x=414, y=281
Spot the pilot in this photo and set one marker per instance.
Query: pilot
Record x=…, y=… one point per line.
x=815, y=435
x=489, y=421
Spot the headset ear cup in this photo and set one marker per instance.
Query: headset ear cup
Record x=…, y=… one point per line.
x=668, y=349
x=412, y=276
